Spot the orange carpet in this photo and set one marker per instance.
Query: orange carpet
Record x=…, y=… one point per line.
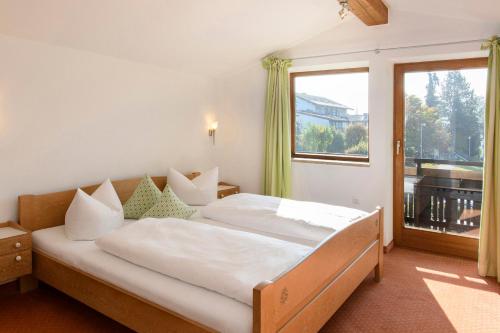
x=424, y=293
x=421, y=292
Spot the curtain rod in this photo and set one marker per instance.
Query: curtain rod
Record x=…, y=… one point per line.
x=377, y=50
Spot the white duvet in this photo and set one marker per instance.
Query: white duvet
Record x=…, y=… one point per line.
x=227, y=261
x=301, y=219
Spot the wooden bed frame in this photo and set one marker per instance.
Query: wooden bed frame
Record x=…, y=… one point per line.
x=301, y=299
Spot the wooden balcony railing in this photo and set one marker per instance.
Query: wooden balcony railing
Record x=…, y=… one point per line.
x=445, y=200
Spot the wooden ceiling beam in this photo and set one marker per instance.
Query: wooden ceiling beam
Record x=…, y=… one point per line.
x=371, y=12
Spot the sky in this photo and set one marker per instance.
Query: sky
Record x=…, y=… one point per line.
x=351, y=89
x=415, y=83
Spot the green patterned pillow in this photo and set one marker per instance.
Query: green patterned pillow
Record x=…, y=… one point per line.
x=170, y=205
x=145, y=196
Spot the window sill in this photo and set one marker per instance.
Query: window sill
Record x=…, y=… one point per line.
x=331, y=162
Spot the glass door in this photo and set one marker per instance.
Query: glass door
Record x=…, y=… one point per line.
x=438, y=161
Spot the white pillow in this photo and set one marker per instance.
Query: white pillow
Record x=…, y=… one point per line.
x=106, y=194
x=89, y=217
x=200, y=191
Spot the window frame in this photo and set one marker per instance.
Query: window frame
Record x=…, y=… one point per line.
x=319, y=156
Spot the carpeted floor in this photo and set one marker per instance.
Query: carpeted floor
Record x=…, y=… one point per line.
x=421, y=292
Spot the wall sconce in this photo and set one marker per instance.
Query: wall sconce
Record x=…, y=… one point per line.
x=211, y=131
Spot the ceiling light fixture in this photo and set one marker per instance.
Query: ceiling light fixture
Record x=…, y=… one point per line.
x=345, y=8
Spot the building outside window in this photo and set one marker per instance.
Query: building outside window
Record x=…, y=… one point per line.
x=330, y=114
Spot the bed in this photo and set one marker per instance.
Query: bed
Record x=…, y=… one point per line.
x=300, y=299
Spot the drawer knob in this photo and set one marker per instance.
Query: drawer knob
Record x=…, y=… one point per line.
x=222, y=195
x=18, y=245
x=18, y=258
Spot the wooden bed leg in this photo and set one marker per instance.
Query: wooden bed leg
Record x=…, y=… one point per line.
x=378, y=273
x=379, y=269
x=27, y=283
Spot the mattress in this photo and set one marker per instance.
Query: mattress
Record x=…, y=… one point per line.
x=214, y=310
x=207, y=307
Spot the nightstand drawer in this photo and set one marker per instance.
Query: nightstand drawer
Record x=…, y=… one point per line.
x=15, y=244
x=228, y=192
x=15, y=265
x=225, y=189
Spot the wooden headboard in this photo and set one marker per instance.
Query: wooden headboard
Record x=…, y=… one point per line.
x=48, y=210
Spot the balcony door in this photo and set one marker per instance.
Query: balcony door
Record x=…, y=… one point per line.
x=438, y=154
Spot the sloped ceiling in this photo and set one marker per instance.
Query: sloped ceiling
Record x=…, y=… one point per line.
x=209, y=37
x=474, y=10
x=405, y=29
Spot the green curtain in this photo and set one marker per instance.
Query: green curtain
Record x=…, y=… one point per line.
x=277, y=158
x=489, y=238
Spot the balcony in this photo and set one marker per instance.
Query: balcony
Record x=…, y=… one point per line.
x=443, y=196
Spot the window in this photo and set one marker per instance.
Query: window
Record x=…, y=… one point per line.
x=438, y=168
x=330, y=114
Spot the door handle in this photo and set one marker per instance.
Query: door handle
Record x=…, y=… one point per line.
x=398, y=146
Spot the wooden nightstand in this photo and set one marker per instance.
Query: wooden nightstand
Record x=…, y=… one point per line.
x=226, y=189
x=15, y=252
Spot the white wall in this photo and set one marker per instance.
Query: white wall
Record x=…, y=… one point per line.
x=241, y=107
x=240, y=136
x=70, y=118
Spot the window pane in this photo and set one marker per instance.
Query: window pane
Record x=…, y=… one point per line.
x=331, y=114
x=444, y=143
